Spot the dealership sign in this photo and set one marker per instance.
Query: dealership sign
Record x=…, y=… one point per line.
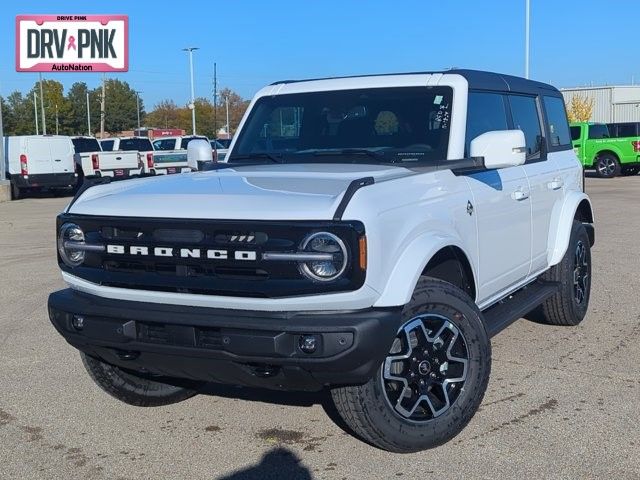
x=72, y=43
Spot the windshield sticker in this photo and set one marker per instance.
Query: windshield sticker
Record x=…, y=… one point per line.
x=437, y=100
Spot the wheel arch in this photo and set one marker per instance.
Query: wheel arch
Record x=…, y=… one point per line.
x=608, y=151
x=438, y=255
x=576, y=206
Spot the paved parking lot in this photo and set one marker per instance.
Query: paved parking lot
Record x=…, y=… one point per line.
x=562, y=402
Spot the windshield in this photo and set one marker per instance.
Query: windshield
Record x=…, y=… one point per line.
x=136, y=144
x=84, y=145
x=377, y=125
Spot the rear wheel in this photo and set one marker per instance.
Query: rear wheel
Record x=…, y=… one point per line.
x=433, y=379
x=16, y=192
x=573, y=274
x=134, y=389
x=607, y=165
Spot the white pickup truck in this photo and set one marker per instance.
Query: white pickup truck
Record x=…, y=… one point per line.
x=367, y=235
x=171, y=154
x=92, y=161
x=141, y=145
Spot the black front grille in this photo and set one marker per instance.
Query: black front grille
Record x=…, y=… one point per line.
x=209, y=274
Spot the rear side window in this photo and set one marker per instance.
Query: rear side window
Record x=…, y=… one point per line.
x=485, y=112
x=575, y=133
x=558, y=125
x=524, y=111
x=623, y=130
x=168, y=144
x=598, y=131
x=107, y=145
x=185, y=141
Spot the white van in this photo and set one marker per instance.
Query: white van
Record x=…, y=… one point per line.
x=37, y=161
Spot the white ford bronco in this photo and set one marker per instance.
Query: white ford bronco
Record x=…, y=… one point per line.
x=366, y=235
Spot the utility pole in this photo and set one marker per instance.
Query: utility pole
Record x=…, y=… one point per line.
x=138, y=108
x=102, y=100
x=57, y=124
x=192, y=105
x=35, y=110
x=44, y=119
x=215, y=101
x=527, y=38
x=88, y=115
x=226, y=101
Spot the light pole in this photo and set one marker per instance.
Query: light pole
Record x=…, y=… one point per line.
x=88, y=115
x=35, y=110
x=192, y=104
x=44, y=119
x=57, y=124
x=138, y=108
x=526, y=38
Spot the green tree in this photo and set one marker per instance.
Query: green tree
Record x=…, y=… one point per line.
x=120, y=107
x=237, y=107
x=165, y=114
x=77, y=103
x=53, y=93
x=20, y=111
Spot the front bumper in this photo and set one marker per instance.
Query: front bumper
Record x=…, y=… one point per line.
x=48, y=180
x=243, y=347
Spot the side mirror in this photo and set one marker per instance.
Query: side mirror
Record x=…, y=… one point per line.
x=500, y=148
x=198, y=153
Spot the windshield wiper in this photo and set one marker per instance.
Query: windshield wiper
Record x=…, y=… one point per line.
x=249, y=156
x=350, y=151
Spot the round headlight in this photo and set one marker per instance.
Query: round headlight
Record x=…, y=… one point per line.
x=324, y=270
x=69, y=233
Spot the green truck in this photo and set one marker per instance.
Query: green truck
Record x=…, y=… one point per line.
x=611, y=149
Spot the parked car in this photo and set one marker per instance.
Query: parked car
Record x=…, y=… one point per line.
x=91, y=161
x=610, y=150
x=39, y=161
x=171, y=153
x=373, y=253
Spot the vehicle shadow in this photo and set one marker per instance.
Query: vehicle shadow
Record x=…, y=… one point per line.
x=276, y=397
x=276, y=464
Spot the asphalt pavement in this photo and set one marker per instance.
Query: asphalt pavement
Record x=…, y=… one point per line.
x=562, y=402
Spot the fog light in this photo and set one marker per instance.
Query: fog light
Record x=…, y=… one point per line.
x=77, y=322
x=308, y=343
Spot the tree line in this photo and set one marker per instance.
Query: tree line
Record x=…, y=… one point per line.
x=121, y=110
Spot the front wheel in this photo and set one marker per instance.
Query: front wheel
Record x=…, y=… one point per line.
x=133, y=389
x=607, y=166
x=433, y=379
x=16, y=192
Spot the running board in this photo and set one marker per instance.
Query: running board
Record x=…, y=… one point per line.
x=518, y=304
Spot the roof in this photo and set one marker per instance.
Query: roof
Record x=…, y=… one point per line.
x=477, y=80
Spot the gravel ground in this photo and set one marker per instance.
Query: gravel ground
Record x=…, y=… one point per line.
x=561, y=403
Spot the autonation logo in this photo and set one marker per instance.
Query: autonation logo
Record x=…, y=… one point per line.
x=72, y=43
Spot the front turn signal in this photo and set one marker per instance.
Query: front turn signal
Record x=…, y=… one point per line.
x=362, y=244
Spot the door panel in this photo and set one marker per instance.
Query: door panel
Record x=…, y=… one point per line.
x=38, y=156
x=503, y=208
x=61, y=155
x=547, y=185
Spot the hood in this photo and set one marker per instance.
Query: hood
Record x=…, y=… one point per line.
x=265, y=192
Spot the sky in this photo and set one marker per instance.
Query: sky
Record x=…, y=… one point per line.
x=573, y=42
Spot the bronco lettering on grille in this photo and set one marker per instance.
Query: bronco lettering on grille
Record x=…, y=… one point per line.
x=247, y=255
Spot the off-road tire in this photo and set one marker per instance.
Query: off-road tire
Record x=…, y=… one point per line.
x=366, y=408
x=607, y=165
x=630, y=171
x=564, y=307
x=133, y=389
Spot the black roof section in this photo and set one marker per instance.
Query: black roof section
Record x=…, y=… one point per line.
x=477, y=79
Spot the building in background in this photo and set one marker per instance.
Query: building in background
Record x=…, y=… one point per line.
x=611, y=104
